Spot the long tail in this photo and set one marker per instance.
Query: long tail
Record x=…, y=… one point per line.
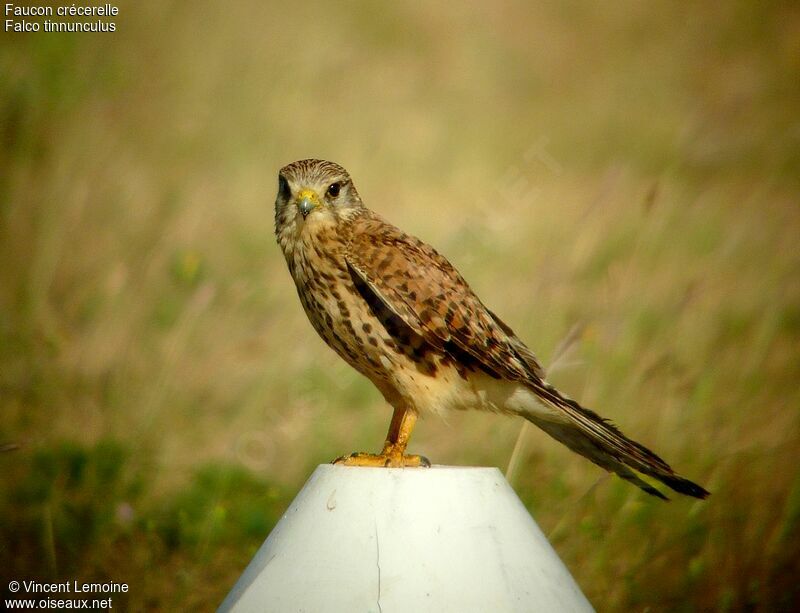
x=597, y=439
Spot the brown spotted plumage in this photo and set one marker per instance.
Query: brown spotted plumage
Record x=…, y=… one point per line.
x=399, y=313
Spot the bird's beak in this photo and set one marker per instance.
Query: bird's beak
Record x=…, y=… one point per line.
x=307, y=201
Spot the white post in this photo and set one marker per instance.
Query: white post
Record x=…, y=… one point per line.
x=406, y=540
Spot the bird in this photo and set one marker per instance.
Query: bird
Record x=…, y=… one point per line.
x=400, y=314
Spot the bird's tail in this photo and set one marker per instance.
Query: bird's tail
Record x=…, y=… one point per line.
x=597, y=439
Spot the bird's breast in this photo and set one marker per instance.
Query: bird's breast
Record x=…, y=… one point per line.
x=332, y=303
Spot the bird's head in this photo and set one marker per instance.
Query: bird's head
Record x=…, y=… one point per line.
x=313, y=193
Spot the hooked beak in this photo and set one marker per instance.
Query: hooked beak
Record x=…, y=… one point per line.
x=307, y=201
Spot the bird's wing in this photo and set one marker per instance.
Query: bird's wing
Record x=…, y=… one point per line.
x=422, y=288
x=520, y=348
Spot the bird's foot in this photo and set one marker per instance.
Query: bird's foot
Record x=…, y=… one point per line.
x=385, y=459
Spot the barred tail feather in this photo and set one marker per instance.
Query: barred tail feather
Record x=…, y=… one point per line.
x=597, y=439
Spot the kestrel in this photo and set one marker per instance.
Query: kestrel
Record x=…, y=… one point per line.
x=401, y=315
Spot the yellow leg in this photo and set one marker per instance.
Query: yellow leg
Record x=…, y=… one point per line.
x=393, y=454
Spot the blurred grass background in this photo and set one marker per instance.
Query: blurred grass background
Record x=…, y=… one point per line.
x=620, y=180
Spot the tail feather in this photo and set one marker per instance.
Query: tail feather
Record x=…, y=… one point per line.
x=597, y=439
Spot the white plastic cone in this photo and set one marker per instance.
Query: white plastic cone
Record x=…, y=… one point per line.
x=400, y=540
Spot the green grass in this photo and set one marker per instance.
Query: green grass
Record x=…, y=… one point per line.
x=629, y=169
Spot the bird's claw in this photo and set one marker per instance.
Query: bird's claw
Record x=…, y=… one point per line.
x=383, y=460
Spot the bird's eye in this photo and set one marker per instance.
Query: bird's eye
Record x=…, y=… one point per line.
x=333, y=189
